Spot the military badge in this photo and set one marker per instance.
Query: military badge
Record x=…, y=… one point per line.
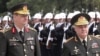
x=30, y=38
x=95, y=45
x=76, y=50
x=25, y=8
x=13, y=39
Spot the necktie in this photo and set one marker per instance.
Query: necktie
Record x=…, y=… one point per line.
x=84, y=44
x=21, y=35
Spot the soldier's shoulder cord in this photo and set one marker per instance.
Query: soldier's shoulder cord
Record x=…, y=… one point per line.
x=32, y=29
x=5, y=30
x=69, y=39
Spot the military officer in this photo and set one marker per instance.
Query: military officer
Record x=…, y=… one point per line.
x=81, y=44
x=20, y=40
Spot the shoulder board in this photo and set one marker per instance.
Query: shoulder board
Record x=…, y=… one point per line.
x=32, y=28
x=5, y=30
x=69, y=39
x=97, y=36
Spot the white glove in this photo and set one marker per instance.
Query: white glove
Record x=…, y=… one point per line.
x=40, y=28
x=94, y=29
x=52, y=27
x=64, y=40
x=65, y=28
x=40, y=38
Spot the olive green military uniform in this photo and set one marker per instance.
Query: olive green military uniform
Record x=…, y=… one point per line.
x=12, y=44
x=74, y=47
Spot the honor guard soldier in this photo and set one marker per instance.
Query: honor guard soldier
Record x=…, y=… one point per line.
x=6, y=22
x=59, y=33
x=36, y=21
x=95, y=16
x=81, y=44
x=69, y=31
x=46, y=35
x=20, y=40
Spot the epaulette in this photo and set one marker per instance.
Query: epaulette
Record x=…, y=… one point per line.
x=5, y=30
x=32, y=29
x=69, y=39
x=97, y=36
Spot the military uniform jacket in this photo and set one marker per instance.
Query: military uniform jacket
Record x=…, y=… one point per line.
x=14, y=46
x=73, y=47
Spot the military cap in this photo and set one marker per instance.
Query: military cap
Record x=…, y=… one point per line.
x=37, y=16
x=80, y=19
x=21, y=8
x=48, y=16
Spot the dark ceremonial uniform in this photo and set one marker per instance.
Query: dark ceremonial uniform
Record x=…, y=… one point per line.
x=98, y=28
x=91, y=32
x=74, y=47
x=13, y=45
x=57, y=40
x=36, y=26
x=44, y=35
x=70, y=32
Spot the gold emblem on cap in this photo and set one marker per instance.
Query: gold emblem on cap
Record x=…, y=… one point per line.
x=25, y=8
x=81, y=18
x=81, y=21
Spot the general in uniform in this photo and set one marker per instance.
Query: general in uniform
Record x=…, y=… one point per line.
x=20, y=40
x=81, y=44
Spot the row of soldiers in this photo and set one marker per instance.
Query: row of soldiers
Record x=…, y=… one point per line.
x=53, y=30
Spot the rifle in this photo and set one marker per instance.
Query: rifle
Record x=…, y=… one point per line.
x=95, y=24
x=40, y=29
x=49, y=37
x=65, y=29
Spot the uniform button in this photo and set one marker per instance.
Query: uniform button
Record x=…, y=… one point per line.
x=25, y=55
x=24, y=50
x=23, y=44
x=32, y=47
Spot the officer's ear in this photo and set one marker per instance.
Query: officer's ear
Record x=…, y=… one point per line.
x=73, y=30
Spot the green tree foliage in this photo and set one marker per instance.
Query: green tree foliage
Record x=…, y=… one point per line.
x=3, y=6
x=59, y=5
